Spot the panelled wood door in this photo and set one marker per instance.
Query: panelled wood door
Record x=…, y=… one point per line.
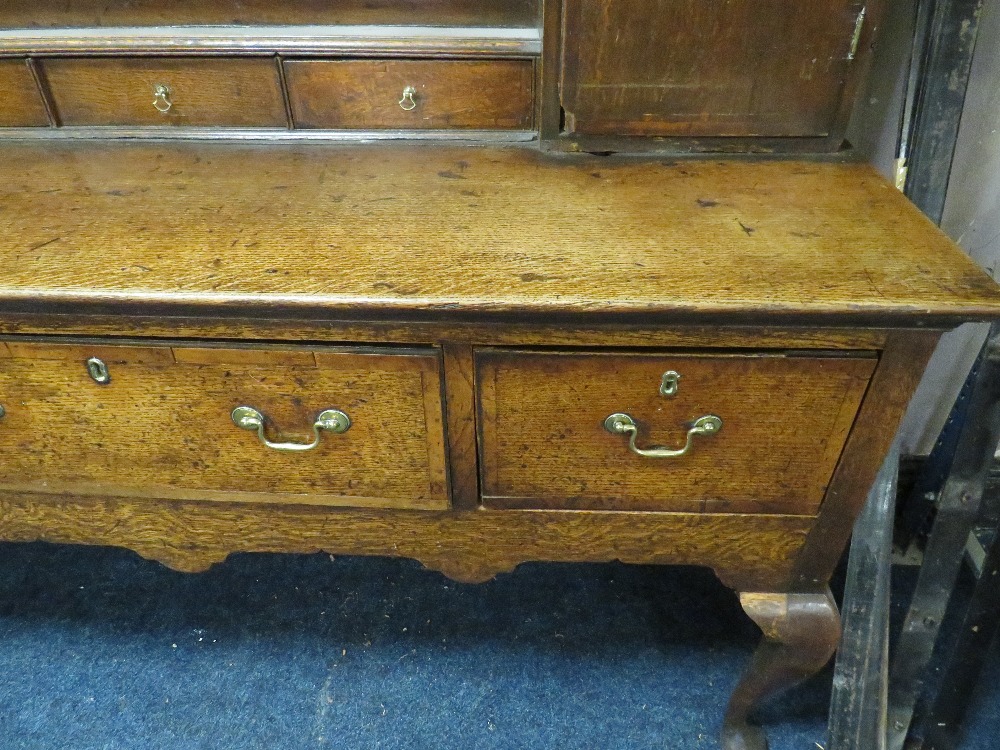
x=706, y=67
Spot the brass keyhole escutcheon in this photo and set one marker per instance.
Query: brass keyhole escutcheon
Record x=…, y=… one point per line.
x=161, y=98
x=98, y=371
x=670, y=383
x=408, y=102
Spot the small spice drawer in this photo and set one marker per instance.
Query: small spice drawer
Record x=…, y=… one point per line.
x=739, y=433
x=411, y=94
x=321, y=426
x=176, y=91
x=21, y=104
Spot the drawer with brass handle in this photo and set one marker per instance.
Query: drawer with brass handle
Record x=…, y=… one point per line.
x=411, y=94
x=323, y=426
x=21, y=103
x=177, y=91
x=738, y=432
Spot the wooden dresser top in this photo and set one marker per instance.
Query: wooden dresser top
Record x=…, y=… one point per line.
x=424, y=232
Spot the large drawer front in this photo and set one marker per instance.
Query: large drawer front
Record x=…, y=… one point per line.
x=201, y=92
x=411, y=94
x=163, y=425
x=20, y=102
x=784, y=421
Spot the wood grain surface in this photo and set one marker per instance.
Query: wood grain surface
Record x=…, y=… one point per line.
x=785, y=420
x=411, y=232
x=225, y=92
x=32, y=14
x=21, y=103
x=366, y=94
x=162, y=426
x=695, y=68
x=749, y=553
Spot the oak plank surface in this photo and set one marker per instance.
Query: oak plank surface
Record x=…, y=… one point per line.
x=370, y=232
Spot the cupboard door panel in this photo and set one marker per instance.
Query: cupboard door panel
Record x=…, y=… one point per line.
x=706, y=67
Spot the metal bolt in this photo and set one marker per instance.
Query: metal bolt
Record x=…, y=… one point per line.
x=929, y=622
x=3, y=412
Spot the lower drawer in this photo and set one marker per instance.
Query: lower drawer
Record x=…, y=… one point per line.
x=203, y=92
x=20, y=102
x=733, y=433
x=345, y=427
x=411, y=94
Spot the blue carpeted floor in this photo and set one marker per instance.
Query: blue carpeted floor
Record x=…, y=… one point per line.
x=102, y=649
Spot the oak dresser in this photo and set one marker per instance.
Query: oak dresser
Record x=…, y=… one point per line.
x=470, y=282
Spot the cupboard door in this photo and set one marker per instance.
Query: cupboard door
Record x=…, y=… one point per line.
x=705, y=68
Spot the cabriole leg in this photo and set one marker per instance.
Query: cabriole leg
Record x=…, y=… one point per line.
x=801, y=632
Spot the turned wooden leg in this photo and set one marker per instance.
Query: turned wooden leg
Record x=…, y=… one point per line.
x=801, y=632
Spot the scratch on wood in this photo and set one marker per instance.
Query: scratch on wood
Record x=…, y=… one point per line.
x=40, y=245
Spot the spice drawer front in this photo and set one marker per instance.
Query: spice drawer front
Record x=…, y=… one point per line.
x=738, y=433
x=411, y=94
x=20, y=101
x=200, y=92
x=319, y=426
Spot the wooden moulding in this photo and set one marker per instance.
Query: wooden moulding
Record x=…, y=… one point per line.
x=481, y=334
x=392, y=41
x=27, y=14
x=748, y=553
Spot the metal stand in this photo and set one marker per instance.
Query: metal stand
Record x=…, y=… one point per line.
x=858, y=704
x=959, y=510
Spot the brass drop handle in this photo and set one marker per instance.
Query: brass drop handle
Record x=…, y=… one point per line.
x=330, y=420
x=623, y=424
x=161, y=98
x=408, y=102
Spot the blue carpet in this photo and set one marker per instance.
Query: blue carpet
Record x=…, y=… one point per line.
x=102, y=649
x=980, y=729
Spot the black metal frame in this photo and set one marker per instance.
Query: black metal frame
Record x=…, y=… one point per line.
x=873, y=707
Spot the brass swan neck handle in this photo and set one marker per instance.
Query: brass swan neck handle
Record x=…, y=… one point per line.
x=329, y=420
x=623, y=424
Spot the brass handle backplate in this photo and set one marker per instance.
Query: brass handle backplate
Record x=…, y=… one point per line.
x=330, y=420
x=408, y=102
x=161, y=98
x=623, y=424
